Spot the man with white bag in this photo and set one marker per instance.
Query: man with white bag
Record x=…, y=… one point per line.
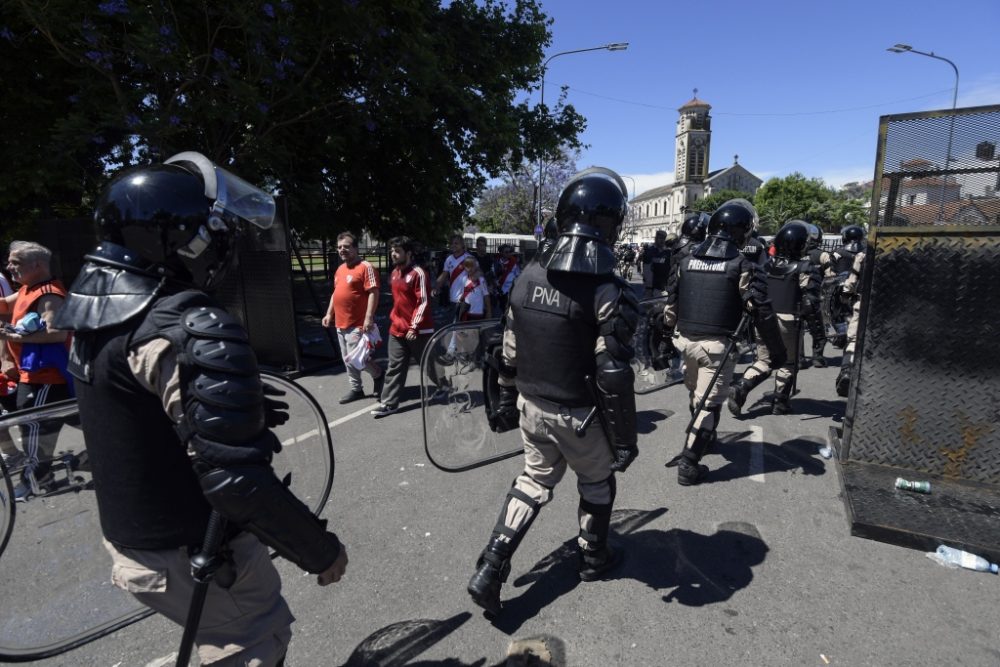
x=352, y=312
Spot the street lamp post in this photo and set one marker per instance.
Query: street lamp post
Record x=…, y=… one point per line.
x=906, y=48
x=615, y=46
x=631, y=214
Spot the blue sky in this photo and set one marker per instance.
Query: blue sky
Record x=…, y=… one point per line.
x=794, y=86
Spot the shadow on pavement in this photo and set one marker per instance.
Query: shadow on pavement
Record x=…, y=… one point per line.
x=792, y=455
x=645, y=420
x=397, y=644
x=700, y=569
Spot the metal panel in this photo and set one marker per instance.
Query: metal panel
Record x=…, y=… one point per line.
x=925, y=389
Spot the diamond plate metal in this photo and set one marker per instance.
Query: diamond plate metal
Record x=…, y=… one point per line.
x=928, y=389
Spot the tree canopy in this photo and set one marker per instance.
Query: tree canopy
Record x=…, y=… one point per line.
x=510, y=206
x=383, y=115
x=810, y=199
x=717, y=199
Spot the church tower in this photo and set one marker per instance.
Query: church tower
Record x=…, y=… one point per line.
x=694, y=135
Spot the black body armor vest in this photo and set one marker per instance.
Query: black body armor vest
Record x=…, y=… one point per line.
x=783, y=288
x=148, y=495
x=754, y=250
x=555, y=323
x=709, y=301
x=659, y=262
x=843, y=260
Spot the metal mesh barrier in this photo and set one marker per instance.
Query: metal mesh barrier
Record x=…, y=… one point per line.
x=925, y=386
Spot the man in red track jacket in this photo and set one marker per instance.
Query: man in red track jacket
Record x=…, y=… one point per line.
x=411, y=321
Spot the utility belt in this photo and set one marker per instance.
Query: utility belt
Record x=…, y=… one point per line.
x=578, y=411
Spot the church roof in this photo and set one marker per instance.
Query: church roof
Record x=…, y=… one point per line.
x=655, y=192
x=695, y=102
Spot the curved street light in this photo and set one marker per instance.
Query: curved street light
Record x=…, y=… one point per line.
x=906, y=48
x=614, y=46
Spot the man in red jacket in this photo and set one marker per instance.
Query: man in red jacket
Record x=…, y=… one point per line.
x=410, y=322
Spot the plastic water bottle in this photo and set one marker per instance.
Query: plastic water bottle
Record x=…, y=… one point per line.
x=955, y=558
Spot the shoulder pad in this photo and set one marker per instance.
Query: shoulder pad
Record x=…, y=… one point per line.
x=104, y=296
x=213, y=322
x=166, y=314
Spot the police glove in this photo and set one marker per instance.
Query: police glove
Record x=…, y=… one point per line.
x=506, y=417
x=275, y=412
x=624, y=455
x=847, y=298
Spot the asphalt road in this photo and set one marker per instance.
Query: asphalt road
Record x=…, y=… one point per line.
x=754, y=567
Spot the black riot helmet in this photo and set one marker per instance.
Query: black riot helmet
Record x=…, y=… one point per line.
x=792, y=239
x=852, y=234
x=593, y=205
x=694, y=226
x=733, y=221
x=589, y=215
x=178, y=220
x=815, y=236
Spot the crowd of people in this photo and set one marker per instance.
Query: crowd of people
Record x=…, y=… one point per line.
x=178, y=372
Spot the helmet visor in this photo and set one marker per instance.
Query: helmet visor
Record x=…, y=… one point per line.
x=239, y=198
x=231, y=193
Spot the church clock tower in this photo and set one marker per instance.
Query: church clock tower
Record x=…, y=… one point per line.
x=694, y=135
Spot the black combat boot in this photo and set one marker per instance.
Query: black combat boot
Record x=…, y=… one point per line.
x=689, y=470
x=493, y=565
x=598, y=556
x=738, y=392
x=818, y=361
x=844, y=377
x=782, y=400
x=492, y=569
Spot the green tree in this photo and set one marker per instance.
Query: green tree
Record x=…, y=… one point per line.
x=510, y=205
x=382, y=115
x=793, y=197
x=717, y=199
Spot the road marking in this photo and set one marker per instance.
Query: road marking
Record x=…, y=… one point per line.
x=336, y=422
x=756, y=454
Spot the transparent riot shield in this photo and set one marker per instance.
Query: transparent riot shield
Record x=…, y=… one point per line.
x=54, y=571
x=647, y=378
x=457, y=435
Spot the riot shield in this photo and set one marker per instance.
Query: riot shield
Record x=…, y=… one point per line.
x=647, y=378
x=54, y=570
x=835, y=312
x=457, y=435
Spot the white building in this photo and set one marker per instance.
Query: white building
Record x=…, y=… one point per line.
x=664, y=207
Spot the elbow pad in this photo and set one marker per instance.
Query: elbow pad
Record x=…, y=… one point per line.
x=616, y=393
x=224, y=409
x=252, y=497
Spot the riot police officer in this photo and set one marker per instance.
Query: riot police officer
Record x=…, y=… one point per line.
x=713, y=287
x=173, y=412
x=754, y=249
x=692, y=234
x=815, y=322
x=842, y=259
x=656, y=265
x=851, y=295
x=566, y=353
x=793, y=288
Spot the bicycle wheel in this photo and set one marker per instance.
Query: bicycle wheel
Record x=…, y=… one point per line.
x=8, y=508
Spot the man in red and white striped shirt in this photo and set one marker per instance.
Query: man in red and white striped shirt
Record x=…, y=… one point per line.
x=453, y=274
x=411, y=322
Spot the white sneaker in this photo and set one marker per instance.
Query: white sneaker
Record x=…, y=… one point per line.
x=383, y=410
